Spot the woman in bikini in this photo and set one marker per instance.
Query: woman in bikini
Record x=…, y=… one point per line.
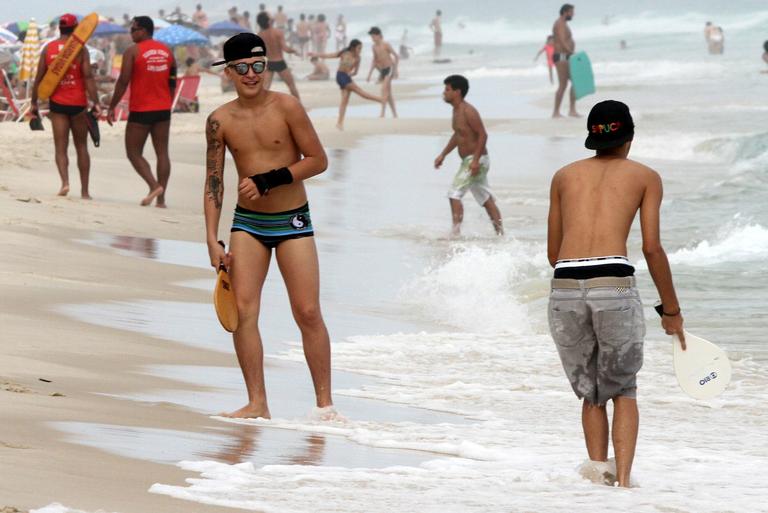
x=349, y=62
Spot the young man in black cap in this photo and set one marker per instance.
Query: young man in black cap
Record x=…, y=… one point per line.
x=275, y=149
x=595, y=313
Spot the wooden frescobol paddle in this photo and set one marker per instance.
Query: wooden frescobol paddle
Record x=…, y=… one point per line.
x=224, y=299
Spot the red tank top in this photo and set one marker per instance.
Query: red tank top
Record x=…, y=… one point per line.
x=150, y=90
x=71, y=88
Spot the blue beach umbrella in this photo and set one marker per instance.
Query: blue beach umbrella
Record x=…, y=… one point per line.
x=224, y=28
x=106, y=28
x=176, y=35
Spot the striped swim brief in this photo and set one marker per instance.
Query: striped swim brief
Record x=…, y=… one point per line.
x=272, y=228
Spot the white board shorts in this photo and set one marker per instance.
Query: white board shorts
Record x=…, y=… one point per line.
x=477, y=185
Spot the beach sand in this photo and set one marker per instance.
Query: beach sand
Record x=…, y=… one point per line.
x=58, y=370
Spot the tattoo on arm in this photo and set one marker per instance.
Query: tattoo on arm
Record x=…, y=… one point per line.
x=214, y=163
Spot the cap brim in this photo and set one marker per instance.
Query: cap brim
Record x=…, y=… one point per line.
x=593, y=143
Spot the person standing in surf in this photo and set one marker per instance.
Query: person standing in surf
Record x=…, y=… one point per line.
x=595, y=313
x=150, y=69
x=436, y=26
x=68, y=105
x=765, y=54
x=275, y=148
x=470, y=137
x=564, y=48
x=349, y=64
x=549, y=50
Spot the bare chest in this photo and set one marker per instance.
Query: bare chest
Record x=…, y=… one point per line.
x=260, y=143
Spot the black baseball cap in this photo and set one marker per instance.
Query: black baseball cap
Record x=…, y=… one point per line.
x=375, y=31
x=242, y=46
x=609, y=125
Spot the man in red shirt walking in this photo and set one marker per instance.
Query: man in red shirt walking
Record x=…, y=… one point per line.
x=67, y=106
x=150, y=69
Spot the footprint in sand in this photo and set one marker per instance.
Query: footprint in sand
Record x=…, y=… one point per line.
x=14, y=387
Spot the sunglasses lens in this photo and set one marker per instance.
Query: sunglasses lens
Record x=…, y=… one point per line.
x=242, y=68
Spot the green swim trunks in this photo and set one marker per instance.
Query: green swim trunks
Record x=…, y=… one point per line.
x=478, y=184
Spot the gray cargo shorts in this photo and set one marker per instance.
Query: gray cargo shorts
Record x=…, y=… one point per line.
x=598, y=327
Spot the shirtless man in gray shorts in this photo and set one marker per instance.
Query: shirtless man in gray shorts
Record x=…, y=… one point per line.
x=595, y=313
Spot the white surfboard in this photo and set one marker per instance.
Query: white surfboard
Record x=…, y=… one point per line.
x=703, y=369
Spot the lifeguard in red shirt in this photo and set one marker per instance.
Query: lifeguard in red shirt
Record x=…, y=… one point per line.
x=150, y=69
x=67, y=106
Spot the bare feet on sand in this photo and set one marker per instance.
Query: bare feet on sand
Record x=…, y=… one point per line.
x=63, y=191
x=574, y=114
x=85, y=196
x=161, y=205
x=249, y=411
x=151, y=196
x=556, y=115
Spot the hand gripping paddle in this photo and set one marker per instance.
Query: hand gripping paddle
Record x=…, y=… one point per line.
x=224, y=299
x=703, y=369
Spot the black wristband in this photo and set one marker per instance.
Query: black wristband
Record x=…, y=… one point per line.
x=665, y=314
x=275, y=178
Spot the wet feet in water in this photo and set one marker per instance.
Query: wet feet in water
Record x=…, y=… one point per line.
x=249, y=411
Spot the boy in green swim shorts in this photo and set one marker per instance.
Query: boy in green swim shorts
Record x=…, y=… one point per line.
x=470, y=137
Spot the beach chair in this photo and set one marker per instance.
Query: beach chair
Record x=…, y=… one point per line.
x=185, y=99
x=122, y=108
x=12, y=108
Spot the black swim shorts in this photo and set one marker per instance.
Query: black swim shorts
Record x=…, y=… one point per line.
x=149, y=117
x=277, y=66
x=67, y=110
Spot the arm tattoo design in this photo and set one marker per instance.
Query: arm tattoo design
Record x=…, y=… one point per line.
x=214, y=162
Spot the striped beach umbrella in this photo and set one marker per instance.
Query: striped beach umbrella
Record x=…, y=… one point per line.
x=30, y=53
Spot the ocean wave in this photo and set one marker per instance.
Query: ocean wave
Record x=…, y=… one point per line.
x=506, y=29
x=610, y=73
x=521, y=446
x=473, y=287
x=744, y=152
x=748, y=243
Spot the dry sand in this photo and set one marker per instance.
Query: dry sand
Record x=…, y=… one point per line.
x=81, y=363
